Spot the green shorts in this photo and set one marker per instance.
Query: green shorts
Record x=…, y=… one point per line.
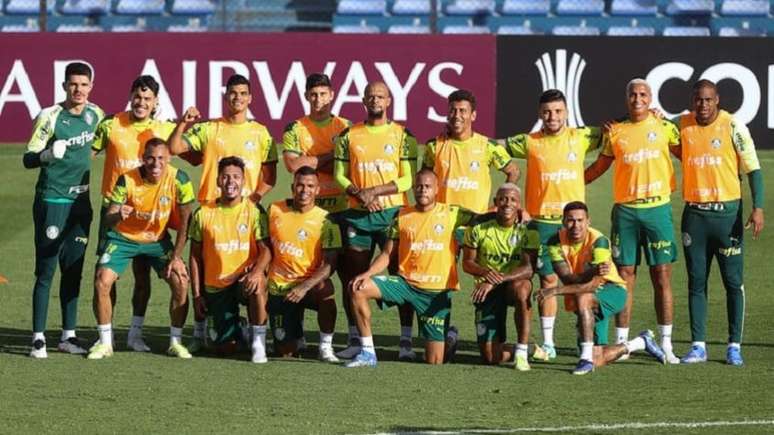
x=433, y=308
x=223, y=314
x=362, y=230
x=611, y=299
x=119, y=250
x=647, y=228
x=332, y=204
x=545, y=230
x=491, y=316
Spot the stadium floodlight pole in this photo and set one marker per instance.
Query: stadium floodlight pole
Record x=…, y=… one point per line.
x=433, y=16
x=43, y=15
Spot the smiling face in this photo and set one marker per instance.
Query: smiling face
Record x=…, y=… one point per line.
x=638, y=101
x=508, y=203
x=305, y=189
x=554, y=116
x=238, y=99
x=154, y=162
x=705, y=104
x=143, y=103
x=77, y=88
x=377, y=99
x=230, y=181
x=460, y=118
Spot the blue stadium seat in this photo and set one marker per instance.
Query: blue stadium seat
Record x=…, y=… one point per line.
x=686, y=31
x=27, y=7
x=411, y=7
x=690, y=7
x=469, y=7
x=740, y=32
x=409, y=29
x=139, y=7
x=129, y=28
x=348, y=28
x=575, y=31
x=78, y=28
x=465, y=30
x=633, y=7
x=525, y=7
x=748, y=8
x=630, y=31
x=362, y=7
x=580, y=7
x=20, y=28
x=193, y=25
x=84, y=7
x=192, y=7
x=518, y=30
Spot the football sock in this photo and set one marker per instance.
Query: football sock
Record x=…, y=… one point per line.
x=174, y=335
x=368, y=344
x=622, y=335
x=521, y=349
x=326, y=340
x=259, y=338
x=700, y=344
x=635, y=344
x=136, y=329
x=736, y=345
x=547, y=324
x=199, y=328
x=105, y=334
x=353, y=333
x=587, y=351
x=405, y=333
x=665, y=331
x=66, y=334
x=38, y=336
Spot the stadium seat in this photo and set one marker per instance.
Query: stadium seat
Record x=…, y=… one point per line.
x=128, y=28
x=361, y=7
x=409, y=29
x=465, y=30
x=630, y=31
x=469, y=7
x=748, y=8
x=78, y=28
x=348, y=28
x=686, y=31
x=518, y=30
x=84, y=7
x=192, y=7
x=580, y=7
x=525, y=7
x=139, y=7
x=186, y=28
x=411, y=7
x=740, y=32
x=633, y=7
x=19, y=28
x=27, y=7
x=575, y=31
x=690, y=7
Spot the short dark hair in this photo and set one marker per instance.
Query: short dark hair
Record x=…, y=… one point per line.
x=77, y=69
x=704, y=83
x=237, y=79
x=552, y=95
x=305, y=170
x=575, y=205
x=145, y=82
x=463, y=95
x=317, y=79
x=155, y=142
x=231, y=161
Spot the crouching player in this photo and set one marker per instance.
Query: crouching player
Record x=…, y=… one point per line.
x=499, y=251
x=422, y=237
x=225, y=236
x=593, y=289
x=141, y=204
x=304, y=243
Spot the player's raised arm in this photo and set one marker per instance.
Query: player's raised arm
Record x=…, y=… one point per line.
x=177, y=145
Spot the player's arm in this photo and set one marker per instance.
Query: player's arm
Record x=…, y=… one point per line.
x=750, y=165
x=118, y=210
x=572, y=289
x=524, y=270
x=267, y=181
x=38, y=152
x=185, y=200
x=178, y=145
x=320, y=274
x=603, y=162
x=255, y=279
x=470, y=244
x=428, y=158
x=500, y=159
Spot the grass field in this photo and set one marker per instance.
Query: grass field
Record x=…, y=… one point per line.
x=152, y=393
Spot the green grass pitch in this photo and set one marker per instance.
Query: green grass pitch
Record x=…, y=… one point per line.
x=134, y=392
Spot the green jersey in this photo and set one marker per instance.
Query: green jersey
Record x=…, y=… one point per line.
x=500, y=248
x=64, y=179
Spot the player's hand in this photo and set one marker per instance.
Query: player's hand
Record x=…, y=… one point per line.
x=545, y=293
x=374, y=206
x=607, y=125
x=125, y=211
x=59, y=148
x=177, y=266
x=524, y=216
x=493, y=277
x=366, y=196
x=603, y=268
x=255, y=197
x=359, y=281
x=191, y=114
x=480, y=292
x=755, y=221
x=297, y=294
x=253, y=281
x=657, y=113
x=200, y=307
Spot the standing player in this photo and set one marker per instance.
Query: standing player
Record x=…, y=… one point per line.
x=62, y=212
x=123, y=136
x=581, y=257
x=643, y=181
x=225, y=247
x=141, y=204
x=461, y=158
x=715, y=148
x=231, y=135
x=554, y=156
x=500, y=252
x=374, y=164
x=304, y=243
x=422, y=238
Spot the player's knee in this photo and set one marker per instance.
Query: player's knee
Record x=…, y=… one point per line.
x=103, y=282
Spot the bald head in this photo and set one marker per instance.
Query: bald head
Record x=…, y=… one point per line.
x=377, y=85
x=376, y=101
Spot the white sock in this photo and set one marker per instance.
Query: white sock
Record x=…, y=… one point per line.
x=105, y=334
x=587, y=351
x=665, y=331
x=405, y=333
x=38, y=336
x=67, y=334
x=368, y=344
x=326, y=340
x=736, y=345
x=136, y=329
x=199, y=328
x=622, y=335
x=353, y=332
x=175, y=335
x=700, y=344
x=259, y=339
x=547, y=324
x=635, y=344
x=521, y=349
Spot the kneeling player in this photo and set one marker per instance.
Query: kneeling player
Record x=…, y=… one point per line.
x=422, y=237
x=303, y=244
x=499, y=251
x=581, y=258
x=225, y=236
x=141, y=203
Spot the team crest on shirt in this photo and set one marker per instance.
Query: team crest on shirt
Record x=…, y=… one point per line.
x=250, y=145
x=302, y=234
x=652, y=136
x=715, y=143
x=475, y=165
x=572, y=157
x=438, y=228
x=164, y=200
x=242, y=228
x=389, y=149
x=514, y=240
x=52, y=232
x=89, y=118
x=687, y=239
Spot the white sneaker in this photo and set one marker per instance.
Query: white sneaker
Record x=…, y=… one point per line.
x=136, y=343
x=350, y=352
x=326, y=355
x=405, y=352
x=671, y=358
x=72, y=346
x=39, y=349
x=259, y=356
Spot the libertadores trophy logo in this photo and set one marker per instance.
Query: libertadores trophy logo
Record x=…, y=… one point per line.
x=558, y=75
